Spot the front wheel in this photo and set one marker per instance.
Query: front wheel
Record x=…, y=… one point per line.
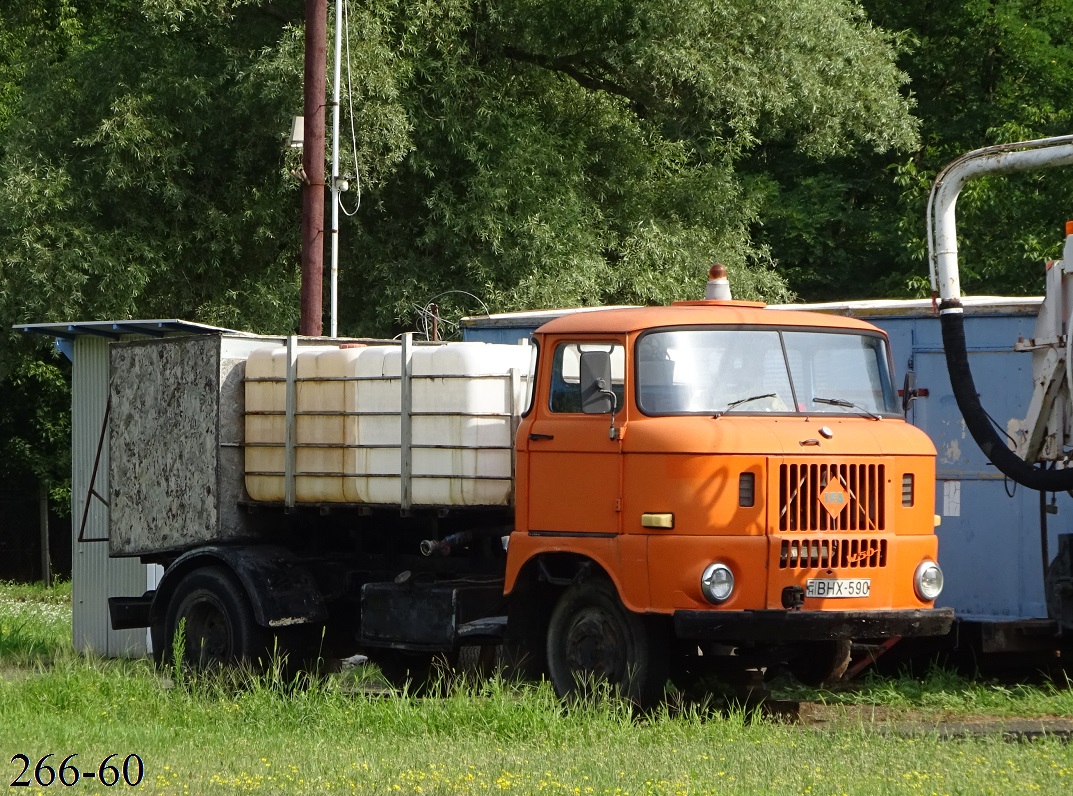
x=594, y=640
x=218, y=626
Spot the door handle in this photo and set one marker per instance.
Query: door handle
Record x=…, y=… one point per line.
x=539, y=437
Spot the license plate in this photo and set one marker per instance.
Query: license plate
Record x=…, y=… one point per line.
x=838, y=587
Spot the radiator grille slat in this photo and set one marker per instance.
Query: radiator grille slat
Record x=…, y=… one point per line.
x=832, y=496
x=858, y=553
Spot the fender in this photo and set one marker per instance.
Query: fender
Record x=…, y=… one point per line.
x=602, y=551
x=282, y=593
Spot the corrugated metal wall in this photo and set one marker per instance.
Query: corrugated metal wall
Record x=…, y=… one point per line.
x=94, y=576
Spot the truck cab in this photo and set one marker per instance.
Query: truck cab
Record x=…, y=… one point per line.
x=715, y=482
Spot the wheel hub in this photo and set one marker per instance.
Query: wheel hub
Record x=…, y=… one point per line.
x=208, y=633
x=594, y=646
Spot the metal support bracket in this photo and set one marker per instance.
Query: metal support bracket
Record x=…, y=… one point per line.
x=92, y=491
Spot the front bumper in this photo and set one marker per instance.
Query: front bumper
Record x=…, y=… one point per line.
x=781, y=626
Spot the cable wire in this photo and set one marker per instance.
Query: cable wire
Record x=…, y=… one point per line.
x=426, y=317
x=350, y=106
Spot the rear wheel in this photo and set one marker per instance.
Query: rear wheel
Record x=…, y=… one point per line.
x=216, y=618
x=478, y=663
x=594, y=640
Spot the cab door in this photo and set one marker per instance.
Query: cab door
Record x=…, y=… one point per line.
x=574, y=467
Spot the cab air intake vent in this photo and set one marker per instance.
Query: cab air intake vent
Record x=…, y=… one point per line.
x=832, y=497
x=833, y=554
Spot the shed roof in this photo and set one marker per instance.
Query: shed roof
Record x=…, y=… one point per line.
x=116, y=329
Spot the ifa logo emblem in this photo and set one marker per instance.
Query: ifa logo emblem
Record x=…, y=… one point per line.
x=833, y=497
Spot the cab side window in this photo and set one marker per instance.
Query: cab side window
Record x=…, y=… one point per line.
x=566, y=375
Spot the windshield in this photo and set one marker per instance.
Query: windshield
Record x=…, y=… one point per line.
x=715, y=371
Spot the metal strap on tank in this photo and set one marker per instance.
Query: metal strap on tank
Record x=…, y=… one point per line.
x=291, y=428
x=406, y=405
x=513, y=388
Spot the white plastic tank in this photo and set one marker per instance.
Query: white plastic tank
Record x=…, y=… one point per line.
x=318, y=457
x=465, y=404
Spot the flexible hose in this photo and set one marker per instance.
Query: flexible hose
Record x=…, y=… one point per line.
x=1044, y=552
x=993, y=446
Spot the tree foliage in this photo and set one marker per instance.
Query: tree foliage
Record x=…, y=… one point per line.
x=35, y=426
x=982, y=73
x=584, y=153
x=530, y=153
x=142, y=175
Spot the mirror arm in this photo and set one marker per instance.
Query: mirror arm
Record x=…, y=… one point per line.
x=613, y=432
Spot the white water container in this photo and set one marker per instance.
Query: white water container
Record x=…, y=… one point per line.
x=320, y=426
x=318, y=430
x=373, y=439
x=463, y=437
x=465, y=403
x=266, y=403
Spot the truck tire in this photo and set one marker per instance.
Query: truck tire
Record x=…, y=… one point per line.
x=594, y=642
x=219, y=626
x=820, y=663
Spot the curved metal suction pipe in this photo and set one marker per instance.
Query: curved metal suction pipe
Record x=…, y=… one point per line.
x=942, y=251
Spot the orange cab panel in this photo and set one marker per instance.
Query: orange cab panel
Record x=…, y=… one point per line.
x=573, y=490
x=677, y=563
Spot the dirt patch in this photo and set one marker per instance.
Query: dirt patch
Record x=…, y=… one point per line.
x=910, y=723
x=16, y=673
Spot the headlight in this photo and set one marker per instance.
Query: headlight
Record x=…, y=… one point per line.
x=717, y=583
x=928, y=581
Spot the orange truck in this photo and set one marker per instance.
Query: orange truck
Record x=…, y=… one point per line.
x=636, y=496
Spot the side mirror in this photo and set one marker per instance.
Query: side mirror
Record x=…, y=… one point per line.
x=909, y=391
x=596, y=395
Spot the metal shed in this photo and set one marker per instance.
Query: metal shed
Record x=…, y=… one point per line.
x=95, y=576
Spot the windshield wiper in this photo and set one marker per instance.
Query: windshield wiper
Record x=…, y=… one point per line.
x=842, y=402
x=741, y=401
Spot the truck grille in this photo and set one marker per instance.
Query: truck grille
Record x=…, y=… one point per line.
x=832, y=497
x=840, y=553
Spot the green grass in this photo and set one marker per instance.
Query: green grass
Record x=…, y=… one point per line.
x=35, y=622
x=942, y=692
x=240, y=732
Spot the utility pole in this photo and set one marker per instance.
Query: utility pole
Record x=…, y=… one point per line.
x=46, y=558
x=313, y=166
x=336, y=179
